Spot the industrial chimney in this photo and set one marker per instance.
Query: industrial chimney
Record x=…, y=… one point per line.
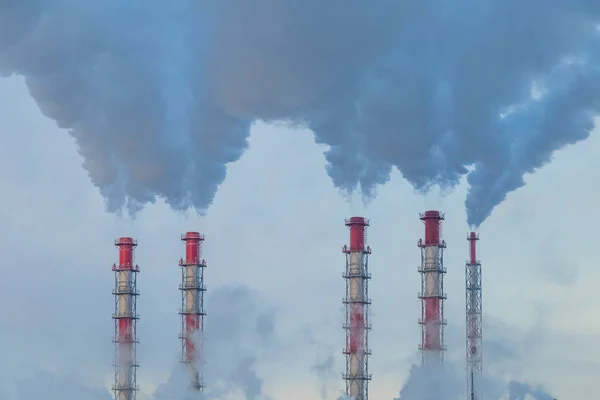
x=473, y=320
x=357, y=317
x=125, y=317
x=192, y=308
x=432, y=290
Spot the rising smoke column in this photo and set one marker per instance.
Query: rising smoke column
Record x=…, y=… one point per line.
x=242, y=333
x=159, y=96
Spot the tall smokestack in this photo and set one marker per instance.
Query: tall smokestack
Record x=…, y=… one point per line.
x=192, y=308
x=432, y=290
x=125, y=317
x=357, y=317
x=473, y=319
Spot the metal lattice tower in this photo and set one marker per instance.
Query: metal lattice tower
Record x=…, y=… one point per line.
x=125, y=317
x=432, y=290
x=192, y=308
x=357, y=306
x=473, y=320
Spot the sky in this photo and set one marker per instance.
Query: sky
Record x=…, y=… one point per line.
x=273, y=247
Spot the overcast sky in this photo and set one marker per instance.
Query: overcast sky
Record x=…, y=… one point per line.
x=273, y=248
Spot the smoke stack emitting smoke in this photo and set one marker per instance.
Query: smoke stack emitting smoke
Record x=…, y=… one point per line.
x=160, y=96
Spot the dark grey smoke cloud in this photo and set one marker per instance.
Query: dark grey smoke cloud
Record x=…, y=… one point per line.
x=159, y=96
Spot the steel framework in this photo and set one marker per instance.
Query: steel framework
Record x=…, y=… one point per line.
x=357, y=303
x=192, y=308
x=125, y=317
x=432, y=290
x=473, y=320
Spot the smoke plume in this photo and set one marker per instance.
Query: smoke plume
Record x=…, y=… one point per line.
x=431, y=384
x=506, y=349
x=446, y=384
x=239, y=330
x=324, y=371
x=520, y=391
x=160, y=96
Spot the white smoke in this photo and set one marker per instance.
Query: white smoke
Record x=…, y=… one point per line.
x=448, y=384
x=523, y=391
x=432, y=383
x=238, y=330
x=323, y=369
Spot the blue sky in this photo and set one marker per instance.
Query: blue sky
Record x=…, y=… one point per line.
x=276, y=227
